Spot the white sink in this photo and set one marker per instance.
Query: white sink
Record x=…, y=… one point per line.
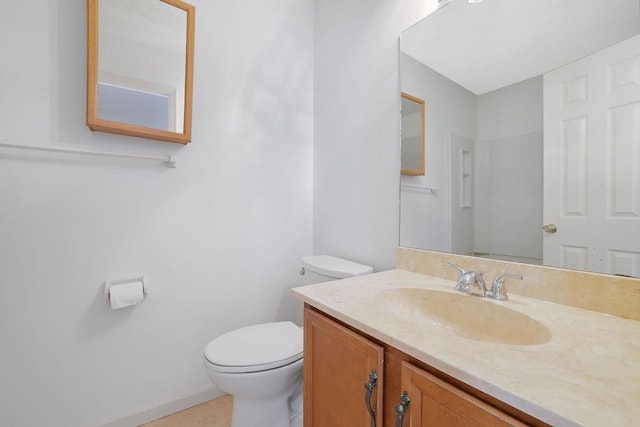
x=466, y=315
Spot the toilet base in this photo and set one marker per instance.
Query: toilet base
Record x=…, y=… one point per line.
x=297, y=421
x=250, y=412
x=265, y=398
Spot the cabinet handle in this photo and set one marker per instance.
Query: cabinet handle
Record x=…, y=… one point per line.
x=373, y=381
x=401, y=409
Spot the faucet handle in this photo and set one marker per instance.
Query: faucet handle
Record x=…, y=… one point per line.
x=467, y=278
x=498, y=289
x=457, y=267
x=461, y=286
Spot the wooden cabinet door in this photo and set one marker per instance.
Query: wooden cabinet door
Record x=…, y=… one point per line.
x=337, y=365
x=435, y=403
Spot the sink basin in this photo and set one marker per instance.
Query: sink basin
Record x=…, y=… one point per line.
x=465, y=315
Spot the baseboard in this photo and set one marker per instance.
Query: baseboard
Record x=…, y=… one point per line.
x=162, y=409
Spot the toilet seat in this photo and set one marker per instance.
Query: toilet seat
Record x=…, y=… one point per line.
x=255, y=348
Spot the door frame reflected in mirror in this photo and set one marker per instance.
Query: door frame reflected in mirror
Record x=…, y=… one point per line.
x=95, y=123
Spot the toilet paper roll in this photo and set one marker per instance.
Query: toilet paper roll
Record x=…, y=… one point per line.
x=126, y=294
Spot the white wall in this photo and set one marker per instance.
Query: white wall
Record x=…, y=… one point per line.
x=507, y=127
x=218, y=239
x=449, y=108
x=508, y=214
x=356, y=126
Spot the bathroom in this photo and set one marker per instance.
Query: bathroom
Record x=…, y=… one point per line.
x=295, y=104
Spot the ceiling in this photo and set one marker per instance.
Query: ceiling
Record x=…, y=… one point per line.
x=488, y=45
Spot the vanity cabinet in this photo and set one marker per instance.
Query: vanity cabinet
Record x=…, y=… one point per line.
x=338, y=361
x=337, y=364
x=435, y=402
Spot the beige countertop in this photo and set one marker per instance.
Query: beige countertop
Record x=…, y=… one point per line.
x=588, y=373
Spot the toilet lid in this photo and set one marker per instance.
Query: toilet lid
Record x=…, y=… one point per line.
x=256, y=348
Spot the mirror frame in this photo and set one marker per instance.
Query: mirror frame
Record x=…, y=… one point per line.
x=421, y=171
x=95, y=123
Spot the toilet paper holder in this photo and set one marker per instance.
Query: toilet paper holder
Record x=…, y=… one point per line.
x=109, y=283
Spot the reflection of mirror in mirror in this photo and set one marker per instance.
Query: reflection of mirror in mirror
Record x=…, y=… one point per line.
x=544, y=97
x=141, y=63
x=144, y=62
x=412, y=141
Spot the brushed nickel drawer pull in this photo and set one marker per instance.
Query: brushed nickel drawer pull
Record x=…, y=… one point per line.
x=373, y=381
x=402, y=408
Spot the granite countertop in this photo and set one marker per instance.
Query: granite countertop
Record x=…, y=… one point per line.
x=588, y=373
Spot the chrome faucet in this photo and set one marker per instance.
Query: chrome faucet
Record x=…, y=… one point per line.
x=470, y=279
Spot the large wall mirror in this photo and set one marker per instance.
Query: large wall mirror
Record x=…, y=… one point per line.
x=140, y=68
x=533, y=133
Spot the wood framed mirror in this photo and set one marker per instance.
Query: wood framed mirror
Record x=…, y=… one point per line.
x=412, y=131
x=140, y=68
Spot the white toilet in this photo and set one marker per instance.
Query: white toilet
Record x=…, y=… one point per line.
x=261, y=365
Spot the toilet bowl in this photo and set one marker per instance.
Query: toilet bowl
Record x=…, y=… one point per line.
x=261, y=365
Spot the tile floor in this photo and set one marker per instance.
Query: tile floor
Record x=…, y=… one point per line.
x=214, y=413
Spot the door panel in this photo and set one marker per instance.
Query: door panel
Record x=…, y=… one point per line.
x=337, y=365
x=592, y=162
x=435, y=403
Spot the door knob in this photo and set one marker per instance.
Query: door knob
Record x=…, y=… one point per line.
x=550, y=228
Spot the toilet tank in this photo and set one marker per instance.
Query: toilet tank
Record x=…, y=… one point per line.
x=323, y=268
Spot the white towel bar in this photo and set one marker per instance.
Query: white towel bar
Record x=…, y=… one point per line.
x=419, y=189
x=164, y=160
